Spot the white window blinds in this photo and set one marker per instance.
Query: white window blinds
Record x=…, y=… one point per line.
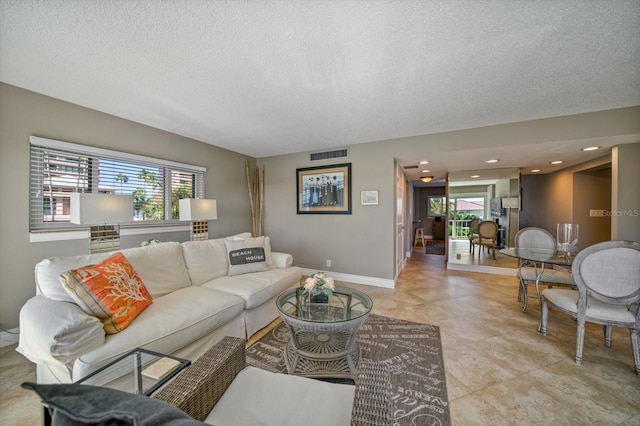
x=59, y=168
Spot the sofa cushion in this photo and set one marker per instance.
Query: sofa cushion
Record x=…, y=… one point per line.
x=170, y=323
x=160, y=266
x=205, y=260
x=247, y=255
x=258, y=287
x=110, y=290
x=260, y=397
x=47, y=274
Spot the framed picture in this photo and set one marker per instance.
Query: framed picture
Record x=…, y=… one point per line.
x=324, y=189
x=369, y=198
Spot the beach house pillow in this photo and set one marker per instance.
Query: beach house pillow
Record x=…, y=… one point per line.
x=246, y=255
x=110, y=290
x=267, y=246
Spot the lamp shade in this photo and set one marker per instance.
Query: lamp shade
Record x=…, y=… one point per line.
x=96, y=209
x=198, y=209
x=510, y=203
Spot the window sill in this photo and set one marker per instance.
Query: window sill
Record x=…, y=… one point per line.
x=41, y=237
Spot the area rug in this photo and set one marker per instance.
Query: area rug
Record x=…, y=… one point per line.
x=412, y=351
x=434, y=247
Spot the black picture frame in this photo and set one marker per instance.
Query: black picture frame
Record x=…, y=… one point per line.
x=324, y=189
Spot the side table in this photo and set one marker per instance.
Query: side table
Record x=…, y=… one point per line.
x=126, y=373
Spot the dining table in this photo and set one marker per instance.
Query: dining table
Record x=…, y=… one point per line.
x=544, y=257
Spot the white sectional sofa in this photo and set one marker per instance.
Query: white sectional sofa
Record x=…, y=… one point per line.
x=195, y=304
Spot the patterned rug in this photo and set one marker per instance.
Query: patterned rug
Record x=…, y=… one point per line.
x=434, y=247
x=412, y=352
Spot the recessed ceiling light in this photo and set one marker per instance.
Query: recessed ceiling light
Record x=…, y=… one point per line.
x=426, y=171
x=492, y=161
x=475, y=176
x=535, y=170
x=591, y=148
x=557, y=162
x=426, y=178
x=424, y=162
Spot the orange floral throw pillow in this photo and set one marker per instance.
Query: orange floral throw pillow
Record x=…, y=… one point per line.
x=110, y=290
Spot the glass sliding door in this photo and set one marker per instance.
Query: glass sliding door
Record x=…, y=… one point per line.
x=462, y=210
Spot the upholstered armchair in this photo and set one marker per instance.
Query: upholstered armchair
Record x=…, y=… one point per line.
x=487, y=237
x=608, y=279
x=530, y=272
x=473, y=232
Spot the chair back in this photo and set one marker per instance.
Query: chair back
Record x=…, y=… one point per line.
x=473, y=226
x=609, y=272
x=487, y=230
x=533, y=237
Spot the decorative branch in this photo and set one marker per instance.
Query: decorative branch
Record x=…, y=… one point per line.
x=256, y=196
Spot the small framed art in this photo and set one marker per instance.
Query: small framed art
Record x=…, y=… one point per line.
x=369, y=198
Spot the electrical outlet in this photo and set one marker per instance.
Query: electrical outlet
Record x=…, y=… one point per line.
x=328, y=264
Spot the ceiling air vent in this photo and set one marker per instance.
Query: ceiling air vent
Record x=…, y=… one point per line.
x=329, y=155
x=410, y=167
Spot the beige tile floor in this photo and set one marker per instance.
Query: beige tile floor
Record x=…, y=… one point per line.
x=500, y=370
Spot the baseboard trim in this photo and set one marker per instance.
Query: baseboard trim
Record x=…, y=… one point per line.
x=9, y=338
x=356, y=279
x=481, y=269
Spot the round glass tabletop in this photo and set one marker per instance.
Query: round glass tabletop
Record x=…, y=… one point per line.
x=541, y=255
x=345, y=304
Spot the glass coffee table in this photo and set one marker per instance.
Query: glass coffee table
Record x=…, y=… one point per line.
x=140, y=371
x=133, y=372
x=323, y=335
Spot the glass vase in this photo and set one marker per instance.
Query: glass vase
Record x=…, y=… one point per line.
x=567, y=238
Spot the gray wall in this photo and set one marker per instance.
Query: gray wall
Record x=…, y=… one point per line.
x=592, y=190
x=569, y=195
x=362, y=243
x=24, y=113
x=625, y=223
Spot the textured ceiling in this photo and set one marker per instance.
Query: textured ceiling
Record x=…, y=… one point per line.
x=274, y=77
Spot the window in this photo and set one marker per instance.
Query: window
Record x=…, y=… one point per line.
x=436, y=206
x=60, y=168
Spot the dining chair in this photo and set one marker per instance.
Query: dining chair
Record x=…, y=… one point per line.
x=487, y=237
x=473, y=232
x=538, y=272
x=608, y=279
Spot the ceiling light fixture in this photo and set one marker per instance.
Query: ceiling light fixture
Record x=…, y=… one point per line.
x=557, y=162
x=475, y=176
x=591, y=148
x=535, y=170
x=424, y=162
x=426, y=171
x=426, y=179
x=494, y=160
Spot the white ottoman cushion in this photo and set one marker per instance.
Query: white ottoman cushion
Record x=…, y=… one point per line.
x=260, y=397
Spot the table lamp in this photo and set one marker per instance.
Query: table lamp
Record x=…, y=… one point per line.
x=103, y=212
x=199, y=212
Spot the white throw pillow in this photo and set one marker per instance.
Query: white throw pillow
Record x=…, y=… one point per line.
x=246, y=255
